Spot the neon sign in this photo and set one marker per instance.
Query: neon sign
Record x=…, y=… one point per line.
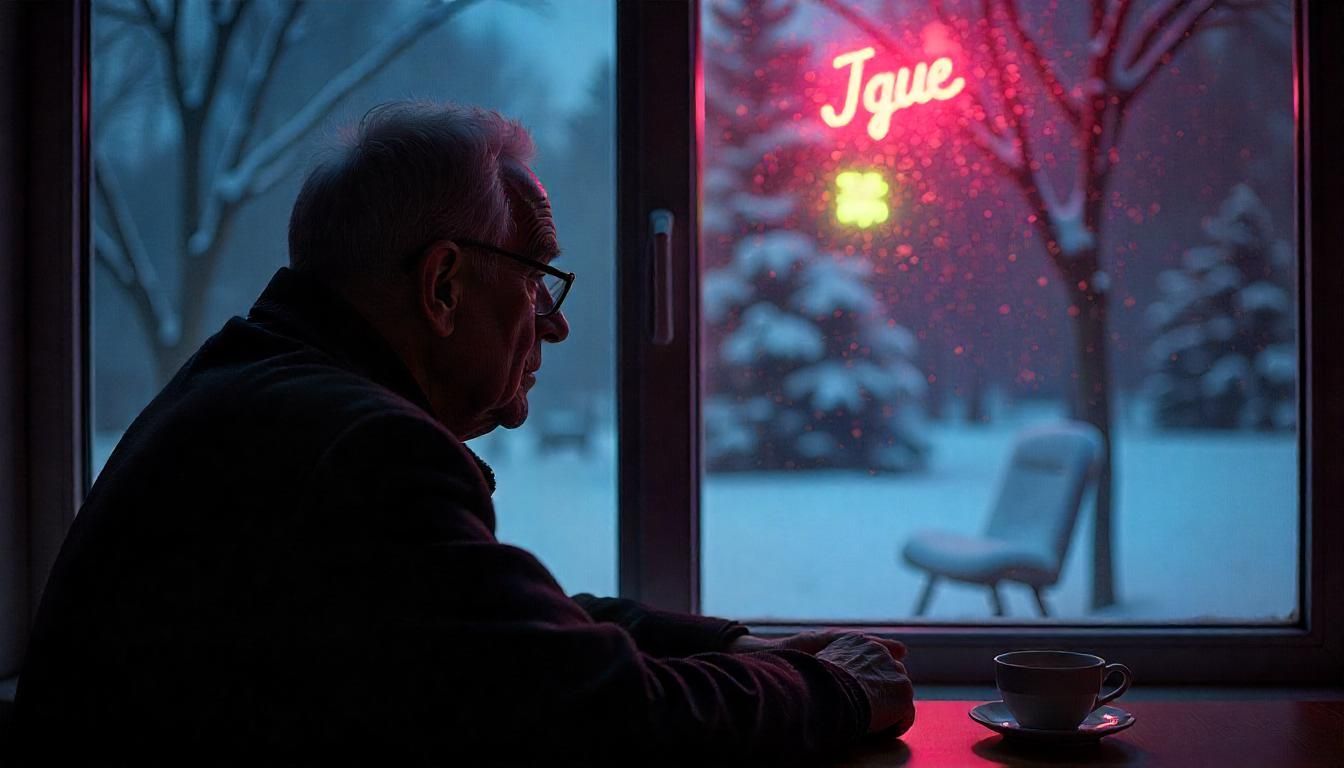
x=889, y=92
x=860, y=199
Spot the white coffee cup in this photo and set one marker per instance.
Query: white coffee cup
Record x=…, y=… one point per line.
x=1055, y=690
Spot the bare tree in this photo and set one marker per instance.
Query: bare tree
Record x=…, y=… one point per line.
x=1123, y=53
x=226, y=160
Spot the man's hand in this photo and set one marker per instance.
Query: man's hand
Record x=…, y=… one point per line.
x=890, y=694
x=810, y=642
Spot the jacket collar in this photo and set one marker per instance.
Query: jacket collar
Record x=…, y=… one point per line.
x=297, y=306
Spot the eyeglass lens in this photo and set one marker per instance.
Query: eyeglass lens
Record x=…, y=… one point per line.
x=555, y=291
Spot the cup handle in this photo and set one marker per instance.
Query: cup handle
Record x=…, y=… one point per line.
x=1127, y=677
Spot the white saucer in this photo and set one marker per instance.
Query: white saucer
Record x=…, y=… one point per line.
x=1105, y=721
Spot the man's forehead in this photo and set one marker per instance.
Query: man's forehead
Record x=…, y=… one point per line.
x=534, y=224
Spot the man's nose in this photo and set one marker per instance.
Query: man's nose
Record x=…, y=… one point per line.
x=553, y=327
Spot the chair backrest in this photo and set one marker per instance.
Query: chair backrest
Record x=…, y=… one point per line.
x=1047, y=478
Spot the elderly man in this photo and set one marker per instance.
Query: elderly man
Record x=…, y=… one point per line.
x=291, y=554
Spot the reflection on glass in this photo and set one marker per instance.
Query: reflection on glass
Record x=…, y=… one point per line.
x=204, y=124
x=929, y=234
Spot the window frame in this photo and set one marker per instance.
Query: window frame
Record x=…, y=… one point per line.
x=658, y=103
x=46, y=260
x=660, y=474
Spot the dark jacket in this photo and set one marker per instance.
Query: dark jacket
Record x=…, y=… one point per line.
x=286, y=558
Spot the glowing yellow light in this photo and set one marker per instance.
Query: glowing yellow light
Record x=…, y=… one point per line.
x=888, y=92
x=861, y=199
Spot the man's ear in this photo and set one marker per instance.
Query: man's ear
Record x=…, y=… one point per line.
x=440, y=286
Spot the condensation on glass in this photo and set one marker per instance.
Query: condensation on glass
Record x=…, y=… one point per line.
x=203, y=128
x=931, y=240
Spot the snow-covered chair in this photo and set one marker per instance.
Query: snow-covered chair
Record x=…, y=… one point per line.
x=1051, y=469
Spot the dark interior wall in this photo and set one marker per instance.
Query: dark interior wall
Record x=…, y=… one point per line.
x=13, y=545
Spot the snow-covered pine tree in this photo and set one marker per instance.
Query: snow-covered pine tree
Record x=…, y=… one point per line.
x=802, y=369
x=1224, y=354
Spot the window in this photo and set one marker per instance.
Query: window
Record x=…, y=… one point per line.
x=921, y=241
x=204, y=126
x=814, y=197
x=660, y=392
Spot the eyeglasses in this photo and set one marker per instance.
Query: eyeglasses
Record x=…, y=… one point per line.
x=555, y=284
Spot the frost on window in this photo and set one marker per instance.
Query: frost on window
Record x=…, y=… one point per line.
x=932, y=227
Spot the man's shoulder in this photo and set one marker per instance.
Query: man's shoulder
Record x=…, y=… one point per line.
x=250, y=395
x=278, y=379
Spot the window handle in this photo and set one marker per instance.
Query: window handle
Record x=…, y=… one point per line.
x=660, y=223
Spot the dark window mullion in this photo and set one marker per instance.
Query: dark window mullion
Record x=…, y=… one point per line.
x=657, y=383
x=52, y=266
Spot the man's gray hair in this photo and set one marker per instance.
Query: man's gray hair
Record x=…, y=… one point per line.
x=411, y=173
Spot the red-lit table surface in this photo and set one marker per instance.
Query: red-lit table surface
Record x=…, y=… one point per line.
x=1271, y=734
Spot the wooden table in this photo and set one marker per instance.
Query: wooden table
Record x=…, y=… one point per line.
x=1183, y=734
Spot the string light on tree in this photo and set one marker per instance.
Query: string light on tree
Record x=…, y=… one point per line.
x=861, y=198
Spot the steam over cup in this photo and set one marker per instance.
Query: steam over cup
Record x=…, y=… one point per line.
x=1055, y=690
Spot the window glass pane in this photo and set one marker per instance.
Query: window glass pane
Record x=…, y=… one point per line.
x=932, y=239
x=196, y=176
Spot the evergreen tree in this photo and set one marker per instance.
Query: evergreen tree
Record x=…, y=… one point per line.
x=1223, y=354
x=803, y=370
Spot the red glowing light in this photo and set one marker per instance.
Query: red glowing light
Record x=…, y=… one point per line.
x=889, y=92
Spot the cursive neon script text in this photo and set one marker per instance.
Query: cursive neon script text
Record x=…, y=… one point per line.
x=887, y=92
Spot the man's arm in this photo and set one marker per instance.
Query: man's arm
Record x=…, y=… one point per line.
x=663, y=633
x=483, y=650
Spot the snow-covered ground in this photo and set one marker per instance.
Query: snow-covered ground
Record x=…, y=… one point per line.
x=1206, y=528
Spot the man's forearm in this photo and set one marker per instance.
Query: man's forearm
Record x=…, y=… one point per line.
x=662, y=633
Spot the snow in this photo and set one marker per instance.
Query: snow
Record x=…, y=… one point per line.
x=724, y=431
x=721, y=290
x=763, y=209
x=892, y=340
x=746, y=152
x=1177, y=341
x=1229, y=372
x=767, y=332
x=1263, y=296
x=1221, y=279
x=717, y=182
x=1073, y=235
x=816, y=445
x=1198, y=259
x=1174, y=283
x=827, y=386
x=716, y=220
x=1242, y=219
x=1194, y=509
x=1101, y=281
x=828, y=285
x=1278, y=363
x=777, y=250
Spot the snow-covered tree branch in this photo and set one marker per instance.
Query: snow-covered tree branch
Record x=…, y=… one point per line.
x=233, y=183
x=225, y=23
x=122, y=250
x=221, y=60
x=1162, y=28
x=265, y=65
x=1062, y=95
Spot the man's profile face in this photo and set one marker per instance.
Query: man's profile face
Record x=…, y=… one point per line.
x=500, y=322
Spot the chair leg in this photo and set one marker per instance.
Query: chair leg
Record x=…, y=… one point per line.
x=995, y=599
x=926, y=596
x=1040, y=602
